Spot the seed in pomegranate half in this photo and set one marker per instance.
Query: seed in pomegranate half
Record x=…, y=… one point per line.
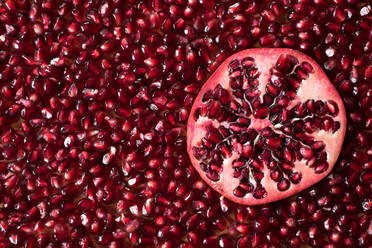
x=266, y=125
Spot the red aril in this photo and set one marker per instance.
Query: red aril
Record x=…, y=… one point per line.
x=266, y=125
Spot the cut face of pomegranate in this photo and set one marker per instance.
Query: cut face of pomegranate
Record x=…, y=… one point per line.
x=267, y=124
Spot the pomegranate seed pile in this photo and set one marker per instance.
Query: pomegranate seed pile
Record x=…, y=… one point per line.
x=94, y=102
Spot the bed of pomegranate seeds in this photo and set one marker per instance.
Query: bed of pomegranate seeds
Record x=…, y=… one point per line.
x=94, y=100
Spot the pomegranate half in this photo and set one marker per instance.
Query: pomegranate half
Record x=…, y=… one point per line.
x=266, y=125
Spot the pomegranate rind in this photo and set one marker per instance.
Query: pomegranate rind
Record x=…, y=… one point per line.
x=317, y=87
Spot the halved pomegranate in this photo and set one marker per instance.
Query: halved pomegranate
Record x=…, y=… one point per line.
x=267, y=124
